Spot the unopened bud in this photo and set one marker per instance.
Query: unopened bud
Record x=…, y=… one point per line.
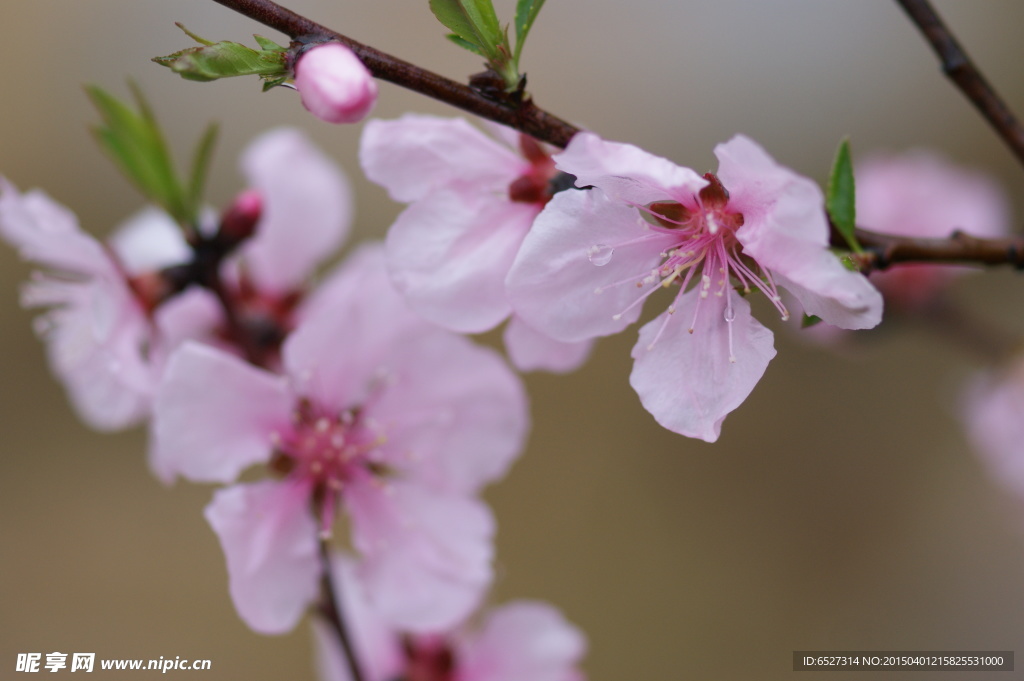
x=334, y=84
x=239, y=221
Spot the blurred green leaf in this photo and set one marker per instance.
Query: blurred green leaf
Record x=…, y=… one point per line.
x=809, y=320
x=201, y=166
x=840, y=197
x=134, y=141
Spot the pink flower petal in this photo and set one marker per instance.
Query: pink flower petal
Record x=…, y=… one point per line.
x=449, y=252
x=530, y=350
x=786, y=232
x=687, y=381
x=214, y=415
x=150, y=240
x=426, y=556
x=94, y=338
x=523, y=640
x=351, y=328
x=307, y=209
x=47, y=233
x=625, y=172
x=992, y=410
x=270, y=543
x=553, y=284
x=453, y=414
x=416, y=154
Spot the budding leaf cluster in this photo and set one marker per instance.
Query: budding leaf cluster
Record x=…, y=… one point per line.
x=134, y=141
x=224, y=59
x=475, y=27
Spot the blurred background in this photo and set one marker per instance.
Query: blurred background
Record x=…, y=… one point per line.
x=842, y=507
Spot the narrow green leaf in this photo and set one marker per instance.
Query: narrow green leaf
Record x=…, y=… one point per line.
x=472, y=20
x=465, y=44
x=190, y=34
x=200, y=167
x=526, y=14
x=268, y=44
x=133, y=140
x=840, y=197
x=271, y=82
x=809, y=320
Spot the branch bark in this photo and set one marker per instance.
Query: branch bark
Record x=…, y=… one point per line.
x=525, y=116
x=962, y=71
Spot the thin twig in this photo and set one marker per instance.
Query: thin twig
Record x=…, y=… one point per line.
x=329, y=610
x=525, y=116
x=962, y=71
x=883, y=250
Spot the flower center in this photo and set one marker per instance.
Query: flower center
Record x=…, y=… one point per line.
x=327, y=453
x=537, y=185
x=700, y=247
x=427, y=658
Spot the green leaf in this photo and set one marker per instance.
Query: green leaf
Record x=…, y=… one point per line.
x=840, y=197
x=475, y=21
x=270, y=82
x=268, y=44
x=200, y=167
x=134, y=141
x=526, y=13
x=190, y=34
x=465, y=44
x=809, y=320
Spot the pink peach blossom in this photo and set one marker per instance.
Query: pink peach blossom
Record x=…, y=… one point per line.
x=379, y=414
x=594, y=256
x=471, y=202
x=921, y=194
x=993, y=415
x=101, y=343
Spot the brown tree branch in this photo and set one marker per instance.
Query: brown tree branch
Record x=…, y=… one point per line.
x=961, y=70
x=328, y=609
x=525, y=116
x=883, y=250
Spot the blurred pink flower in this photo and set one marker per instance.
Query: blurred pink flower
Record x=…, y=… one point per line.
x=114, y=320
x=102, y=341
x=472, y=201
x=519, y=641
x=993, y=415
x=594, y=256
x=334, y=84
x=920, y=194
x=395, y=421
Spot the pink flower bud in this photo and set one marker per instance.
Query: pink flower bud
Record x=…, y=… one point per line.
x=334, y=84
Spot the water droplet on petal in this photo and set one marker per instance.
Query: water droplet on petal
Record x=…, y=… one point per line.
x=600, y=254
x=729, y=314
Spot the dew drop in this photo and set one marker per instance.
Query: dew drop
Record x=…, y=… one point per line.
x=600, y=254
x=729, y=315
